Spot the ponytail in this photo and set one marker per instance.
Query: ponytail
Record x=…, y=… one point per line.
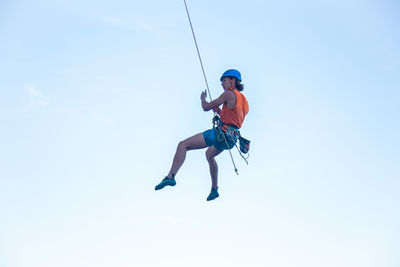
x=238, y=85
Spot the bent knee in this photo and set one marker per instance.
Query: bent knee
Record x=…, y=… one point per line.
x=183, y=145
x=209, y=155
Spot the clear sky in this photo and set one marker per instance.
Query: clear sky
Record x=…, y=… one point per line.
x=95, y=96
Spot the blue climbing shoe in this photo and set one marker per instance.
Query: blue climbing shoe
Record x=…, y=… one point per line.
x=213, y=194
x=166, y=181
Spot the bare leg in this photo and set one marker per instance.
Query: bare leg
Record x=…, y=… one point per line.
x=211, y=153
x=195, y=142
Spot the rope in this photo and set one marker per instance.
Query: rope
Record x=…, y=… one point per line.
x=240, y=153
x=226, y=142
x=205, y=79
x=220, y=132
x=198, y=52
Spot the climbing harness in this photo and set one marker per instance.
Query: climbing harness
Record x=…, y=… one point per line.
x=230, y=132
x=223, y=130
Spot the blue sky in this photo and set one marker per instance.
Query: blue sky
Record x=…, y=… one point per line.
x=95, y=96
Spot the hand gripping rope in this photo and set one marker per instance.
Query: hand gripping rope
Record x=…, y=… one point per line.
x=205, y=78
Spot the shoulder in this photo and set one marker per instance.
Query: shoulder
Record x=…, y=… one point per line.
x=227, y=95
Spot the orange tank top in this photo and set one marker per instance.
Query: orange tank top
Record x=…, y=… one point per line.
x=235, y=116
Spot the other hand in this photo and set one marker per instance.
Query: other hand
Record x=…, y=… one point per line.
x=203, y=95
x=217, y=110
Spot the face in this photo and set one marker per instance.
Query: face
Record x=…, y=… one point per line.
x=227, y=83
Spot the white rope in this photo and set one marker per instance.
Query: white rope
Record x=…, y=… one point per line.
x=205, y=78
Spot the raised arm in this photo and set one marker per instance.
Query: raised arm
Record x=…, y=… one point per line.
x=224, y=97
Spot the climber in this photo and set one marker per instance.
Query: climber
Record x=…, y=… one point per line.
x=224, y=136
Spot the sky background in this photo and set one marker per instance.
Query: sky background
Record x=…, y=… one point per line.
x=95, y=96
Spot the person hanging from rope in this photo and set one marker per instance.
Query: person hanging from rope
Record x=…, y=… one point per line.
x=221, y=137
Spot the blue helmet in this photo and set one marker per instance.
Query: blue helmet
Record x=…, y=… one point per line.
x=232, y=73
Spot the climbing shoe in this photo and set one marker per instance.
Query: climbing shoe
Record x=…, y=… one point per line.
x=166, y=181
x=213, y=194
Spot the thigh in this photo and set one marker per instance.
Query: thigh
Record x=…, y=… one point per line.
x=195, y=142
x=210, y=137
